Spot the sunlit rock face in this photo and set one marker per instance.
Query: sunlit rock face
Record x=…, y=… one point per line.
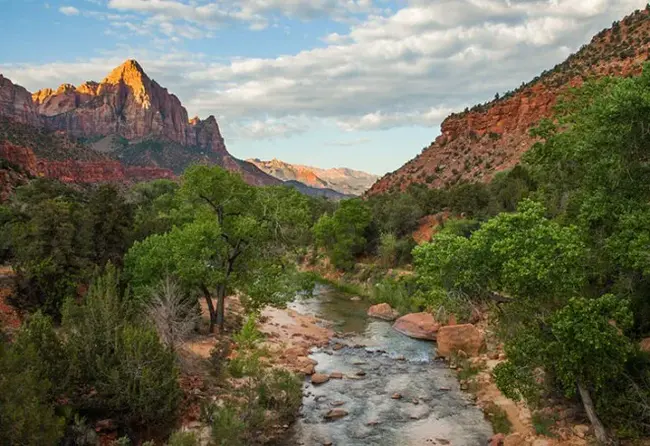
x=129, y=104
x=127, y=117
x=477, y=143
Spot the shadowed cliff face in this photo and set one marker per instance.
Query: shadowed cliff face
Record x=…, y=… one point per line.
x=477, y=143
x=143, y=130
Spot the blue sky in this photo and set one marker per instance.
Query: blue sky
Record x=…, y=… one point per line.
x=355, y=83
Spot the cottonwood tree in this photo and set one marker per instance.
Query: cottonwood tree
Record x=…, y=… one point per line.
x=534, y=268
x=238, y=241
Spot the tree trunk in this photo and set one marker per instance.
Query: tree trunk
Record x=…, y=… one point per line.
x=599, y=429
x=208, y=300
x=221, y=310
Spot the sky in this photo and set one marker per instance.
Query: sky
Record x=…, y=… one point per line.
x=356, y=83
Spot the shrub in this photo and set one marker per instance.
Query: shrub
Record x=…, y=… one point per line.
x=228, y=428
x=27, y=413
x=281, y=391
x=498, y=418
x=183, y=439
x=134, y=374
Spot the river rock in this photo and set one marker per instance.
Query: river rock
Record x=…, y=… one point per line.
x=383, y=311
x=645, y=345
x=355, y=298
x=336, y=375
x=396, y=396
x=335, y=414
x=455, y=338
x=515, y=439
x=497, y=440
x=418, y=325
x=319, y=378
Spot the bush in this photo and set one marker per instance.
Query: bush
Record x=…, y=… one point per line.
x=27, y=411
x=183, y=439
x=134, y=374
x=498, y=418
x=281, y=392
x=401, y=293
x=228, y=429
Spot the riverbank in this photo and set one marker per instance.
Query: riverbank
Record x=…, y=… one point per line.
x=515, y=423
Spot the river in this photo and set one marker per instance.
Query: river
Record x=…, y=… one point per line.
x=378, y=365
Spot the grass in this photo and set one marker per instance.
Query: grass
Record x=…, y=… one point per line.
x=543, y=423
x=498, y=418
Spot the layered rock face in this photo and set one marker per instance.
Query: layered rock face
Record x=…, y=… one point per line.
x=342, y=180
x=75, y=171
x=16, y=103
x=477, y=143
x=156, y=138
x=129, y=104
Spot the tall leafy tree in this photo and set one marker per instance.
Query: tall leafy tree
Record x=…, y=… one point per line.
x=343, y=233
x=238, y=240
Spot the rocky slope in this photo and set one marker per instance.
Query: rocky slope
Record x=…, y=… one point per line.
x=475, y=144
x=342, y=180
x=137, y=128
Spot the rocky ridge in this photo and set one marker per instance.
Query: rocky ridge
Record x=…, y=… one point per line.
x=141, y=130
x=477, y=143
x=342, y=180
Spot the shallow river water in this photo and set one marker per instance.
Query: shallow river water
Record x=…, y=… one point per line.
x=431, y=411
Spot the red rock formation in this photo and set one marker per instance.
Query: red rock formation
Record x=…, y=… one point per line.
x=342, y=180
x=74, y=171
x=129, y=104
x=453, y=338
x=16, y=103
x=475, y=144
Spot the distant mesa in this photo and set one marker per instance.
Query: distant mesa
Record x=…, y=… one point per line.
x=342, y=180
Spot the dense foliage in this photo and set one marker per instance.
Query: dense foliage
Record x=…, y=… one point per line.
x=102, y=345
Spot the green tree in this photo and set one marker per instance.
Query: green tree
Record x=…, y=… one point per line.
x=110, y=219
x=239, y=239
x=28, y=368
x=343, y=234
x=134, y=376
x=51, y=248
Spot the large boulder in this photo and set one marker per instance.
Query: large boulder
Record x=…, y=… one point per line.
x=383, y=311
x=453, y=338
x=418, y=325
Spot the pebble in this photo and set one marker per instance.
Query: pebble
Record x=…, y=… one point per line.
x=396, y=396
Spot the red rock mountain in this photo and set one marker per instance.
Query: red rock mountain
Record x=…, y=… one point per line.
x=138, y=130
x=342, y=180
x=475, y=144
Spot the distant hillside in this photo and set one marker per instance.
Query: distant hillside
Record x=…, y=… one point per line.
x=342, y=180
x=490, y=137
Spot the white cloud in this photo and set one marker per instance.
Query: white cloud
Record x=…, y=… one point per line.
x=68, y=10
x=410, y=67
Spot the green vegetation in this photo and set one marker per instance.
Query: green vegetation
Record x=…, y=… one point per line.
x=101, y=344
x=557, y=247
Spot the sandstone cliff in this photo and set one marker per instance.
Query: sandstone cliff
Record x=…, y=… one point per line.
x=342, y=180
x=475, y=144
x=16, y=103
x=128, y=117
